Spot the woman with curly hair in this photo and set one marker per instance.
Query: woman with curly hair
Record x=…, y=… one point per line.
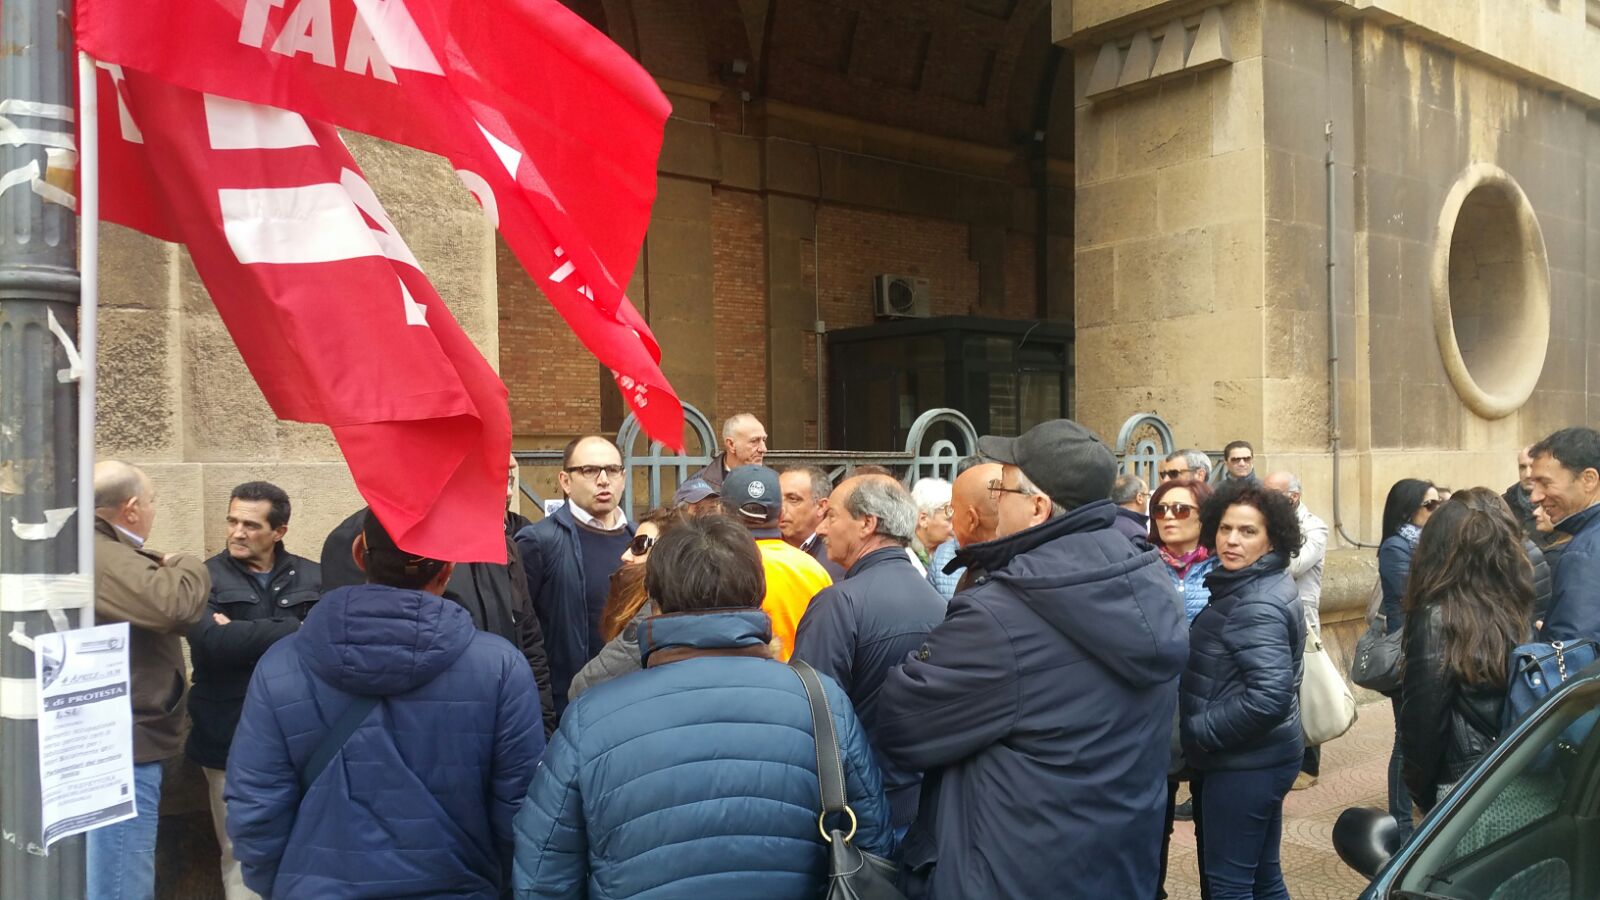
x=627, y=605
x=1468, y=602
x=1239, y=716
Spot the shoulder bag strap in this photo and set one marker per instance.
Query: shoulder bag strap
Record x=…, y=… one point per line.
x=830, y=771
x=346, y=726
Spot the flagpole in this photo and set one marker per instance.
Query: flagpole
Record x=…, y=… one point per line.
x=88, y=314
x=88, y=307
x=40, y=579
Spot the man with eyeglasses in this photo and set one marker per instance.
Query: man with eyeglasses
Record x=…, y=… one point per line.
x=1190, y=464
x=1052, y=682
x=1239, y=464
x=569, y=555
x=1132, y=497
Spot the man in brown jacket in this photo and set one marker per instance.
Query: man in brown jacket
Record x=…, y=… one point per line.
x=159, y=596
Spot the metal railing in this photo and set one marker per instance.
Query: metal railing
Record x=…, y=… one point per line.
x=938, y=440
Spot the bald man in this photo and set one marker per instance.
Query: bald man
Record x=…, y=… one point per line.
x=973, y=518
x=159, y=596
x=744, y=443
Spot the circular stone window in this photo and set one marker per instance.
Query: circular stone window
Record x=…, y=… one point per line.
x=1491, y=292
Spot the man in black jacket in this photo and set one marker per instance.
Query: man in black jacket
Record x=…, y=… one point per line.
x=860, y=627
x=260, y=593
x=495, y=595
x=1040, y=709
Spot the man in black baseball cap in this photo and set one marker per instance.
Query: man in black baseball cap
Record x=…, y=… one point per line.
x=752, y=495
x=1069, y=647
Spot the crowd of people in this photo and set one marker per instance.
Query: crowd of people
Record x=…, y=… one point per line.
x=1022, y=667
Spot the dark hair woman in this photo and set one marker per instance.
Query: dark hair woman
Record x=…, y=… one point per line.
x=1409, y=504
x=720, y=764
x=627, y=606
x=1239, y=715
x=1486, y=500
x=1175, y=533
x=1468, y=602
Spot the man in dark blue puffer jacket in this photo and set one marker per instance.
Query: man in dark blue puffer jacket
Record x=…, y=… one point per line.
x=1041, y=708
x=418, y=801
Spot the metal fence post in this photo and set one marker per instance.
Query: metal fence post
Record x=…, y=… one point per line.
x=39, y=409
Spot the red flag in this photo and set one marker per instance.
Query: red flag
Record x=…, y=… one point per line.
x=552, y=126
x=325, y=302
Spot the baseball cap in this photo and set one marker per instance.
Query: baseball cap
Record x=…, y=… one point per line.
x=751, y=495
x=693, y=490
x=1065, y=460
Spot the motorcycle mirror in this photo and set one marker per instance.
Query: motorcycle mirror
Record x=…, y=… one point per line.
x=1362, y=837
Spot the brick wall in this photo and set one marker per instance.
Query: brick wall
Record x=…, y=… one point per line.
x=553, y=380
x=739, y=295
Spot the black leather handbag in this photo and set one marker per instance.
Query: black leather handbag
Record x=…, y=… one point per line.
x=853, y=873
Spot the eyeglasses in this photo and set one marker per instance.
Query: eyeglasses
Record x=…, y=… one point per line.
x=997, y=487
x=641, y=544
x=593, y=472
x=1169, y=474
x=946, y=510
x=1179, y=511
x=1431, y=505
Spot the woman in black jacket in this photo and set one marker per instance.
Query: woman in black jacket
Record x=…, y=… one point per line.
x=1468, y=602
x=1239, y=710
x=1409, y=504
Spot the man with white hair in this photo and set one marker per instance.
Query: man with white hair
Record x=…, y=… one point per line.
x=159, y=596
x=862, y=626
x=932, y=497
x=744, y=443
x=1306, y=570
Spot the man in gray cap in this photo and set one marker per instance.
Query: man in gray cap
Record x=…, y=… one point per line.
x=1053, y=677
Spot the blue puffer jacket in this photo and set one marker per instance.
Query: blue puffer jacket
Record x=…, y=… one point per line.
x=419, y=801
x=1192, y=585
x=1239, y=703
x=694, y=778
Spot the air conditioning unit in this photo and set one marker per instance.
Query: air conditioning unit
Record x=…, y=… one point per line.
x=901, y=297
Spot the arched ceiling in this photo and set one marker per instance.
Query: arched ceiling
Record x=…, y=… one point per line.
x=974, y=70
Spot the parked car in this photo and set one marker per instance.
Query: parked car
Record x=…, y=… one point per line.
x=1524, y=824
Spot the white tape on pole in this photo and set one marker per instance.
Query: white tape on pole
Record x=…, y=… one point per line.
x=19, y=698
x=42, y=593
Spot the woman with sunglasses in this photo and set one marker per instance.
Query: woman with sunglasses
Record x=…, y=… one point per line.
x=1238, y=709
x=626, y=606
x=1409, y=504
x=1175, y=533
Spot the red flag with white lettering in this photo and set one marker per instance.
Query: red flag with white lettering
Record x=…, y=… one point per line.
x=329, y=308
x=553, y=127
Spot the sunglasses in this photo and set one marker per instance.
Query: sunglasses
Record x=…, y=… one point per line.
x=641, y=544
x=1169, y=474
x=1241, y=459
x=1179, y=511
x=1431, y=505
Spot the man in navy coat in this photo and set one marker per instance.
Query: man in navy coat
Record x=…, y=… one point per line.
x=1041, y=708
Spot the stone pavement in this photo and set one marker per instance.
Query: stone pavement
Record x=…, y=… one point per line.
x=1354, y=773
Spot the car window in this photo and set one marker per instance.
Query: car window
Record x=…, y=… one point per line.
x=1513, y=837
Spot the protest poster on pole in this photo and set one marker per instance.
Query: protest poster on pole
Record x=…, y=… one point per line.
x=85, y=729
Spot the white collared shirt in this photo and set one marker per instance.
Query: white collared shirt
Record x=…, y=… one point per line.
x=582, y=515
x=134, y=539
